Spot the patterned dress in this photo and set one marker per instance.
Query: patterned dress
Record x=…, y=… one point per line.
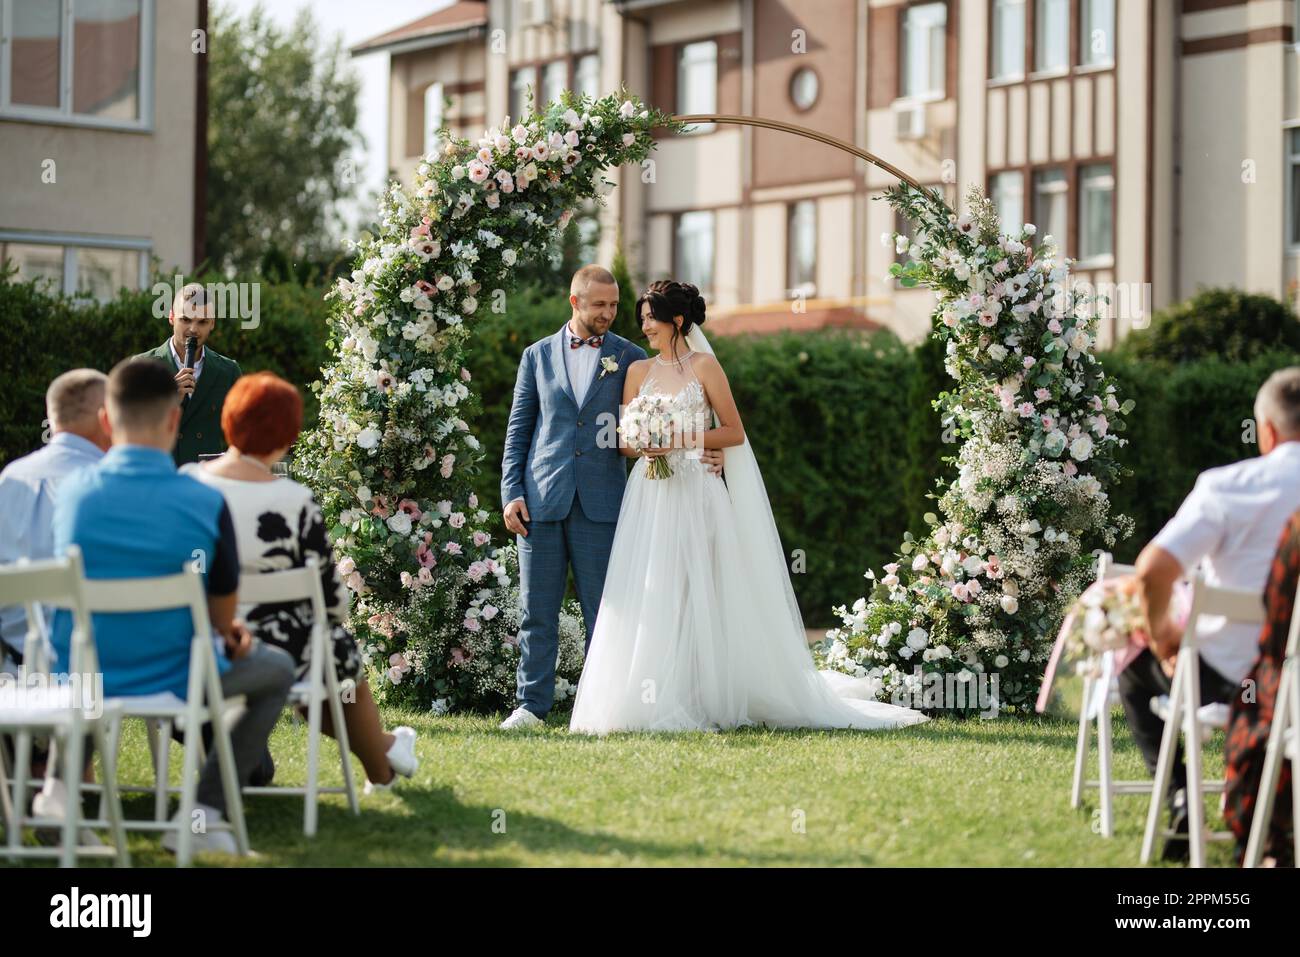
x=1249, y=726
x=278, y=526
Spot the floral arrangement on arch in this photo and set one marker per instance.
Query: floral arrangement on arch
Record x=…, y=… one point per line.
x=392, y=457
x=1011, y=547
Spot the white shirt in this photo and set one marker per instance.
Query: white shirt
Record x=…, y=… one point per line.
x=580, y=363
x=1231, y=523
x=180, y=361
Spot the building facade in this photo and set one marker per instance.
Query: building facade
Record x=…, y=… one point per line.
x=1157, y=140
x=102, y=103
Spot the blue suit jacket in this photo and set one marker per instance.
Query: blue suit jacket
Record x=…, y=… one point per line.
x=553, y=447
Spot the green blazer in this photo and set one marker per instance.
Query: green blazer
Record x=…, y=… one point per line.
x=200, y=432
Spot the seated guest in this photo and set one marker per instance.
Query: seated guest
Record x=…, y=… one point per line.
x=133, y=516
x=1229, y=524
x=1252, y=715
x=278, y=525
x=202, y=388
x=28, y=485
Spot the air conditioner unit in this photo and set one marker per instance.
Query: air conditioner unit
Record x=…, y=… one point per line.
x=535, y=13
x=911, y=121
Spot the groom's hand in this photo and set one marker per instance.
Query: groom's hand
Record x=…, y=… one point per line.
x=516, y=513
x=713, y=459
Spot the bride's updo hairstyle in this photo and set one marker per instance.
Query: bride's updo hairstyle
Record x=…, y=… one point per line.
x=669, y=298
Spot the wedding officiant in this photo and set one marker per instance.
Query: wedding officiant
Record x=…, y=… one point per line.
x=202, y=376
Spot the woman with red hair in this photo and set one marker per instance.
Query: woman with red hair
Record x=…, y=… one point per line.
x=278, y=525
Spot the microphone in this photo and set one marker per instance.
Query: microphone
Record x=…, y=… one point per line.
x=191, y=344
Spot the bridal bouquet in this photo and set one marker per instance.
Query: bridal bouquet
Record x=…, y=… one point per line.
x=648, y=423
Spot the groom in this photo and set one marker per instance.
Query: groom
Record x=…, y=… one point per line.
x=562, y=476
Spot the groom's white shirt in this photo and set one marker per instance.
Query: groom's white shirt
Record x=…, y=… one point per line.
x=580, y=364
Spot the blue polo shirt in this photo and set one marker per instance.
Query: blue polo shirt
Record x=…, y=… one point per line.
x=134, y=516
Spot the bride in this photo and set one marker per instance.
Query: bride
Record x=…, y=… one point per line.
x=698, y=628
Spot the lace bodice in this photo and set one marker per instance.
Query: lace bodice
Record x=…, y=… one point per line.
x=678, y=380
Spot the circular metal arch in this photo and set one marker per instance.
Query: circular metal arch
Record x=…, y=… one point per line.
x=805, y=132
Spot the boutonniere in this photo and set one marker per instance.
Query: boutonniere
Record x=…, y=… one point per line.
x=608, y=364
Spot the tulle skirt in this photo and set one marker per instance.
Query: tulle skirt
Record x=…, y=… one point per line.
x=683, y=642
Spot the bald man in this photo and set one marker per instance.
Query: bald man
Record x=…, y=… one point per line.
x=28, y=485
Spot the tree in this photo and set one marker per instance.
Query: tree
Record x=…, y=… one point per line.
x=282, y=126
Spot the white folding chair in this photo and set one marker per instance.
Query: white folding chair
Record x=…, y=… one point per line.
x=1100, y=695
x=320, y=685
x=203, y=700
x=59, y=711
x=1282, y=746
x=1184, y=715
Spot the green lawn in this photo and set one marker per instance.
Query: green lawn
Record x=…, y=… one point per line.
x=962, y=794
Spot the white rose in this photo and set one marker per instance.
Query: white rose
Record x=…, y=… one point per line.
x=1081, y=448
x=1009, y=605
x=369, y=437
x=917, y=638
x=400, y=522
x=363, y=493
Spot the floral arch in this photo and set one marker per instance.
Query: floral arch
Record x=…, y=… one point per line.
x=436, y=604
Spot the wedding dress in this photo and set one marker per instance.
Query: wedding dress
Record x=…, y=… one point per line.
x=698, y=628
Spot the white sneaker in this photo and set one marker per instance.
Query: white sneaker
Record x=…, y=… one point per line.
x=401, y=757
x=521, y=718
x=51, y=802
x=208, y=841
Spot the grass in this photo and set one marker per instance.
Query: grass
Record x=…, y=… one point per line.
x=948, y=793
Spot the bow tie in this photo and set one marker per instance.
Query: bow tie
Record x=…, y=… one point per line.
x=577, y=341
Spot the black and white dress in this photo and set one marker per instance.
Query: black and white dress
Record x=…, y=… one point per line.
x=278, y=526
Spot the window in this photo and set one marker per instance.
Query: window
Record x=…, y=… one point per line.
x=1097, y=33
x=586, y=75
x=433, y=104
x=693, y=249
x=555, y=77
x=1096, y=213
x=697, y=80
x=1052, y=35
x=803, y=88
x=1051, y=206
x=1008, y=39
x=520, y=81
x=801, y=248
x=78, y=61
x=1293, y=178
x=1007, y=193
x=924, y=48
x=76, y=264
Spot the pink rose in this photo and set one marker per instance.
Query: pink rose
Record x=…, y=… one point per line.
x=476, y=571
x=1070, y=469
x=472, y=624
x=473, y=500
x=356, y=582
x=425, y=576
x=448, y=461
x=457, y=520
x=453, y=548
x=481, y=539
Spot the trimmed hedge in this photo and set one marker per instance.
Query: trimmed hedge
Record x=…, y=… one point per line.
x=43, y=335
x=1223, y=323
x=841, y=422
